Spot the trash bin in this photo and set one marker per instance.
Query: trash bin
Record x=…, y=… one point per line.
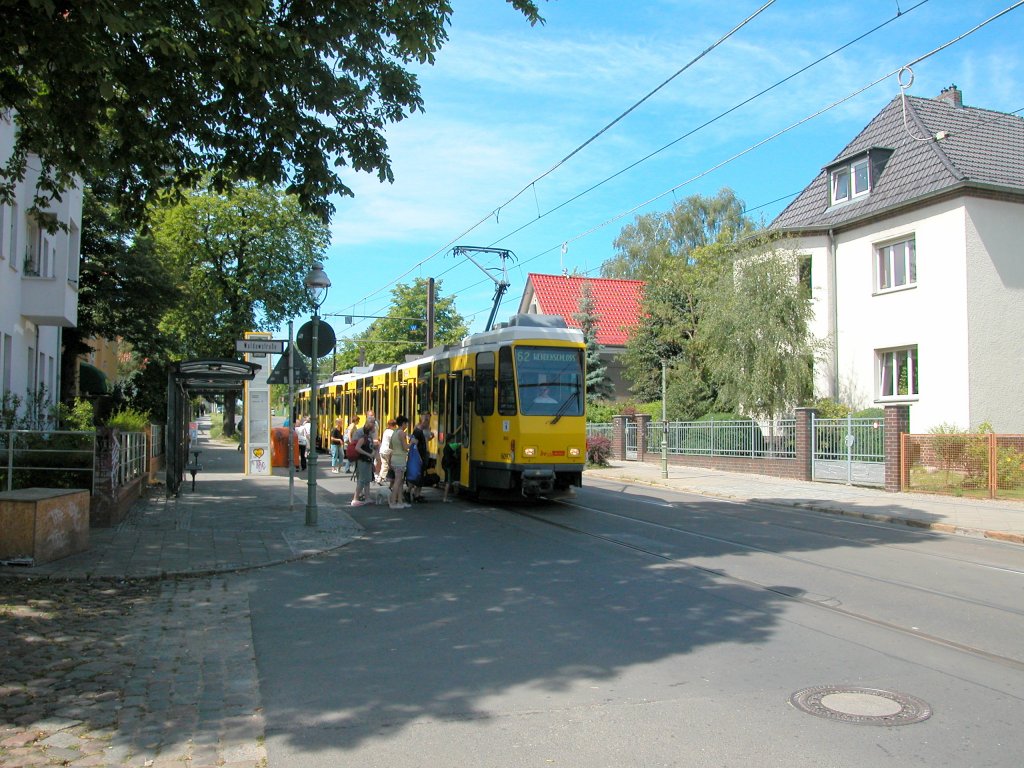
x=279, y=447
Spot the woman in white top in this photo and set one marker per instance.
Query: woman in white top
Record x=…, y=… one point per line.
x=385, y=452
x=399, y=459
x=302, y=434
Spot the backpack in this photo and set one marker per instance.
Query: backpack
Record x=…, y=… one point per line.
x=351, y=452
x=414, y=468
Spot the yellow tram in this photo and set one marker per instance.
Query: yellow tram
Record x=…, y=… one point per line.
x=513, y=396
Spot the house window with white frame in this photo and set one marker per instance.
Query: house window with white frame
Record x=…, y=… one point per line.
x=896, y=265
x=897, y=373
x=850, y=181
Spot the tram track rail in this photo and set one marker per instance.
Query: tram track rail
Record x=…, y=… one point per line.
x=791, y=594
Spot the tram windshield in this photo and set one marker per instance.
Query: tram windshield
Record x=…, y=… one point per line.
x=550, y=381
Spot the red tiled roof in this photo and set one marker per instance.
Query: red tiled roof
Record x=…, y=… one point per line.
x=616, y=302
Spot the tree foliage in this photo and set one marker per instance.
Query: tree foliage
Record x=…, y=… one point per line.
x=163, y=95
x=404, y=330
x=123, y=287
x=659, y=242
x=727, y=312
x=598, y=384
x=674, y=303
x=756, y=331
x=239, y=260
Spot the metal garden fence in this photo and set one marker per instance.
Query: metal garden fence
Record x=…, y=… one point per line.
x=971, y=465
x=747, y=438
x=47, y=459
x=65, y=459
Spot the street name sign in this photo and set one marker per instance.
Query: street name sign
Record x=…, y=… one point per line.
x=260, y=346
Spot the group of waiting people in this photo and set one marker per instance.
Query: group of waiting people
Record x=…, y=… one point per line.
x=383, y=460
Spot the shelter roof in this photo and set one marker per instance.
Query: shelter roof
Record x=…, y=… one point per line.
x=213, y=375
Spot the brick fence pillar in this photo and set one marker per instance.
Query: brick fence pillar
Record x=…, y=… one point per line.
x=643, y=425
x=805, y=442
x=619, y=438
x=897, y=423
x=103, y=505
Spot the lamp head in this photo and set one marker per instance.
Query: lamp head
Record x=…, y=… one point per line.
x=317, y=282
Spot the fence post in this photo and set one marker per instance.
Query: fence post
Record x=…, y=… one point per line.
x=805, y=442
x=897, y=423
x=643, y=421
x=619, y=437
x=993, y=466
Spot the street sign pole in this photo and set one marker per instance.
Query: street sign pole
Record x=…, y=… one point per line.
x=291, y=420
x=311, y=462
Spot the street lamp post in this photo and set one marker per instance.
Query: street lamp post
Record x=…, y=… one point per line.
x=316, y=283
x=664, y=423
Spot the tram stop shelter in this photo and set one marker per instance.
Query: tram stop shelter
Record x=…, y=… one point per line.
x=185, y=380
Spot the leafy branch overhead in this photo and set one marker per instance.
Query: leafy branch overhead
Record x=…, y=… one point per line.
x=161, y=95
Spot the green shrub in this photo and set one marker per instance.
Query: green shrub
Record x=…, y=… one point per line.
x=601, y=412
x=830, y=409
x=869, y=413
x=129, y=420
x=77, y=417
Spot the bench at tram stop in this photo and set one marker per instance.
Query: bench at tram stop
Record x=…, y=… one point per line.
x=194, y=467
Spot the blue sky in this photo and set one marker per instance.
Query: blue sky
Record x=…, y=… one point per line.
x=505, y=102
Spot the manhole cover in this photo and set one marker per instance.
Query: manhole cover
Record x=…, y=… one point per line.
x=862, y=706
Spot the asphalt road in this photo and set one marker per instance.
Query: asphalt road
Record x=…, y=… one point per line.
x=639, y=627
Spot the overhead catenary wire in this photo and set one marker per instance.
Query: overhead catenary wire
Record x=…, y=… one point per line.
x=563, y=242
x=896, y=72
x=626, y=169
x=496, y=211
x=713, y=120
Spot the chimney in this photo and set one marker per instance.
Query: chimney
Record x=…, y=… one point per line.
x=952, y=96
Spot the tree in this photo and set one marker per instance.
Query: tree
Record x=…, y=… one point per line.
x=656, y=242
x=680, y=254
x=239, y=260
x=123, y=287
x=674, y=303
x=756, y=331
x=599, y=386
x=164, y=95
x=404, y=331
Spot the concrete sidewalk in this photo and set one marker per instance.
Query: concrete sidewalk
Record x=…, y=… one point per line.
x=229, y=523
x=991, y=519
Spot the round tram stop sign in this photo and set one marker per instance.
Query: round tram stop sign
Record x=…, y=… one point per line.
x=325, y=340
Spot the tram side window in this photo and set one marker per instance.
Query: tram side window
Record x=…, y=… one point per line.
x=485, y=384
x=506, y=383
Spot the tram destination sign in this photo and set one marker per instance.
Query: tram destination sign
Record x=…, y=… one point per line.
x=260, y=346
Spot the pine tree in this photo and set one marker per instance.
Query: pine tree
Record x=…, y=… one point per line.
x=599, y=386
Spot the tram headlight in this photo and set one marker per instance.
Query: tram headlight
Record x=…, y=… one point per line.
x=574, y=452
x=529, y=452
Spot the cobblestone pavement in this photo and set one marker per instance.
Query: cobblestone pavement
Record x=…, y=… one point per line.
x=128, y=674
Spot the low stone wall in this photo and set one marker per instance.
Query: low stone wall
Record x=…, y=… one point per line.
x=111, y=507
x=38, y=525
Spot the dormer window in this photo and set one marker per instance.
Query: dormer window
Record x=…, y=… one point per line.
x=850, y=180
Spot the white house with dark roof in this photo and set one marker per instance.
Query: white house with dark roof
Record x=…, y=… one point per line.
x=916, y=238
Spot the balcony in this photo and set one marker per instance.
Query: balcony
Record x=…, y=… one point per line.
x=49, y=301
